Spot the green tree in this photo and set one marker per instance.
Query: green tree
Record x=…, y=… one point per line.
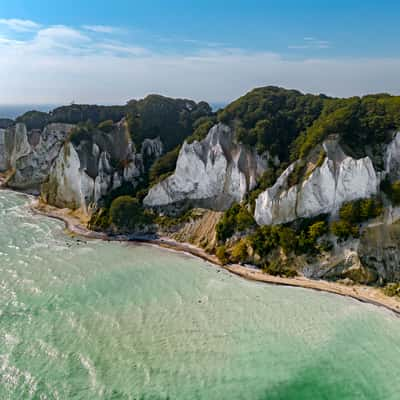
x=344, y=229
x=222, y=255
x=106, y=126
x=239, y=251
x=288, y=240
x=126, y=213
x=317, y=230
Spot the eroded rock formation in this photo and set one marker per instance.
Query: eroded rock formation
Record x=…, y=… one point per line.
x=339, y=179
x=83, y=173
x=30, y=154
x=212, y=173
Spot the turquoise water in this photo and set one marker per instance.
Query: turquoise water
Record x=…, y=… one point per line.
x=104, y=320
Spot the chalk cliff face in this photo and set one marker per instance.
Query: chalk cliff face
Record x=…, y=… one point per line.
x=212, y=173
x=339, y=179
x=83, y=173
x=30, y=154
x=14, y=144
x=392, y=158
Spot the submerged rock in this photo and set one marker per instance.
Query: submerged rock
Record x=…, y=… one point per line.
x=212, y=173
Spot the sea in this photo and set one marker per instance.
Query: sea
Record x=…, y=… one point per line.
x=90, y=319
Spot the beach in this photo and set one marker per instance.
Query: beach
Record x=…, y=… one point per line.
x=363, y=293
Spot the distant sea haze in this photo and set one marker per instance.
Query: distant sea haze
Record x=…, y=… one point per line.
x=13, y=111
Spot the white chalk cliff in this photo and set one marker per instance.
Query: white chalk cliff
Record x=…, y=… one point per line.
x=30, y=154
x=82, y=174
x=339, y=179
x=212, y=173
x=392, y=158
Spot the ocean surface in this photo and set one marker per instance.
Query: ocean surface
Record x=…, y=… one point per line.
x=99, y=320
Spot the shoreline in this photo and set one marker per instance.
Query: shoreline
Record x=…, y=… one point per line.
x=362, y=293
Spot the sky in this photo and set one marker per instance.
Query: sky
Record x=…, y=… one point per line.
x=101, y=51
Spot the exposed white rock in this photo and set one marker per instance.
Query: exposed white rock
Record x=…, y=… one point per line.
x=4, y=159
x=392, y=158
x=152, y=148
x=13, y=145
x=339, y=179
x=70, y=186
x=102, y=182
x=31, y=154
x=212, y=173
x=83, y=174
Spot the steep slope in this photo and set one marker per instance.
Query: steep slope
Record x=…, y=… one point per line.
x=339, y=179
x=212, y=173
x=30, y=154
x=93, y=163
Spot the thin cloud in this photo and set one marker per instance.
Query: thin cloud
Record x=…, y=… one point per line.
x=117, y=48
x=204, y=43
x=58, y=38
x=102, y=29
x=60, y=63
x=20, y=25
x=310, y=42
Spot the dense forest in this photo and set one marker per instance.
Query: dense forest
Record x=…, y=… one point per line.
x=154, y=116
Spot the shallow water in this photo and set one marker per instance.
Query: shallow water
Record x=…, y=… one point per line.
x=102, y=320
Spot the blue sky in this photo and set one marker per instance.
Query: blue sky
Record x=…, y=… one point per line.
x=110, y=51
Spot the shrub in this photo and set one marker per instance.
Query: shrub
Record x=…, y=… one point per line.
x=239, y=252
x=236, y=219
x=277, y=268
x=354, y=213
x=360, y=210
x=287, y=239
x=396, y=192
x=106, y=126
x=344, y=229
x=100, y=220
x=126, y=213
x=392, y=190
x=201, y=128
x=392, y=289
x=222, y=255
x=168, y=222
x=297, y=174
x=317, y=230
x=164, y=166
x=265, y=239
x=80, y=133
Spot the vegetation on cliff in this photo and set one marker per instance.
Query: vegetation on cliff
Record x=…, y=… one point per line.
x=154, y=116
x=287, y=124
x=73, y=114
x=392, y=190
x=290, y=124
x=241, y=240
x=354, y=213
x=127, y=214
x=363, y=125
x=271, y=118
x=5, y=123
x=164, y=166
x=172, y=120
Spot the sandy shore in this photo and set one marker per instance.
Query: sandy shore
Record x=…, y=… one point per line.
x=361, y=293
